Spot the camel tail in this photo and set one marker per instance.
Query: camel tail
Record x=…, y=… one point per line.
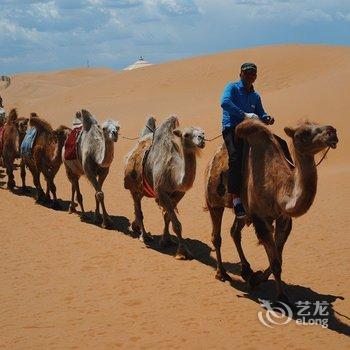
x=249, y=128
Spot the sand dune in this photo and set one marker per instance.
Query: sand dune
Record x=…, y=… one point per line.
x=68, y=284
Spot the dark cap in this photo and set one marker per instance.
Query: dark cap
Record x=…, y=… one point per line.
x=248, y=65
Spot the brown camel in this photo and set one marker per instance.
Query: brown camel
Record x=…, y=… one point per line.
x=95, y=153
x=12, y=136
x=272, y=191
x=46, y=157
x=168, y=169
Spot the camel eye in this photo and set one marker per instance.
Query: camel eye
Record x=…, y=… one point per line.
x=305, y=134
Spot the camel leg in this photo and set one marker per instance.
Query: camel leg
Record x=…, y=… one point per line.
x=166, y=240
x=216, y=220
x=236, y=234
x=79, y=196
x=282, y=231
x=11, y=179
x=99, y=195
x=138, y=225
x=106, y=222
x=23, y=176
x=166, y=202
x=264, y=231
x=37, y=184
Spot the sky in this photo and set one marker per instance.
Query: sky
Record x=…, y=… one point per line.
x=60, y=34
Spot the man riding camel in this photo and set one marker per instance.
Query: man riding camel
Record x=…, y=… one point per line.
x=239, y=101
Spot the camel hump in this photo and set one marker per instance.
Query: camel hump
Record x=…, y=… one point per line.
x=166, y=128
x=87, y=119
x=12, y=115
x=40, y=124
x=149, y=127
x=249, y=128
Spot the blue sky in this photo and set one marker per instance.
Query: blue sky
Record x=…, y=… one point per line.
x=58, y=34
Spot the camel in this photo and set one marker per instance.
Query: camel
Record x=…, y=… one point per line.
x=95, y=153
x=165, y=162
x=273, y=192
x=12, y=136
x=46, y=157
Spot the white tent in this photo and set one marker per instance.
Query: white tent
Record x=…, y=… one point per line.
x=138, y=64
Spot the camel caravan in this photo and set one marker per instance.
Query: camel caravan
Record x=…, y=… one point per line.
x=162, y=166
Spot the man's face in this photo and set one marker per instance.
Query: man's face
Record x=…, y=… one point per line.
x=248, y=76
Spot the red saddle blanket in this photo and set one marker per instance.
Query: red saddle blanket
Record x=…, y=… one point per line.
x=70, y=146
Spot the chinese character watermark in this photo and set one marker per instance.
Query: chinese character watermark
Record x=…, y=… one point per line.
x=306, y=313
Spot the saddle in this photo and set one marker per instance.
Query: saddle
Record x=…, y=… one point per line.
x=221, y=190
x=70, y=146
x=28, y=143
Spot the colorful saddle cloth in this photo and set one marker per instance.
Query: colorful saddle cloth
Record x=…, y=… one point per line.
x=28, y=143
x=70, y=146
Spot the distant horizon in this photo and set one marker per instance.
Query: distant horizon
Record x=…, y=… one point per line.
x=174, y=60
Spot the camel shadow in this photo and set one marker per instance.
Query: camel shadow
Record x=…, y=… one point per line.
x=62, y=205
x=266, y=291
x=119, y=223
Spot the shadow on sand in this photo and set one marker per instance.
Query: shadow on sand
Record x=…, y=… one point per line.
x=266, y=291
x=202, y=254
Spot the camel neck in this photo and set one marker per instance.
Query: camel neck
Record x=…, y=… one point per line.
x=304, y=185
x=189, y=170
x=57, y=159
x=108, y=153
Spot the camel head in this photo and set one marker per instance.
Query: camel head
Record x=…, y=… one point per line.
x=111, y=129
x=192, y=138
x=61, y=134
x=311, y=138
x=22, y=125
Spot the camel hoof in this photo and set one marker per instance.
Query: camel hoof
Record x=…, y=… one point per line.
x=72, y=209
x=166, y=242
x=145, y=238
x=222, y=276
x=107, y=225
x=256, y=278
x=246, y=272
x=183, y=254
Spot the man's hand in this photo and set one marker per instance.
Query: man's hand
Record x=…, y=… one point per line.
x=250, y=116
x=267, y=119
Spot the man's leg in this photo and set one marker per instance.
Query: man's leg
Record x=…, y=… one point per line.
x=235, y=150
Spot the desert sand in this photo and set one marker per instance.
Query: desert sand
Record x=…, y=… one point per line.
x=66, y=284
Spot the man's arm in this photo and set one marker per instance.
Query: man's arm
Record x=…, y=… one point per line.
x=259, y=109
x=228, y=105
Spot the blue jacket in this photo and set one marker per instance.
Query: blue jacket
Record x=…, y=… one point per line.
x=236, y=101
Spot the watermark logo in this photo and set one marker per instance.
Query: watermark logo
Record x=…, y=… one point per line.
x=306, y=313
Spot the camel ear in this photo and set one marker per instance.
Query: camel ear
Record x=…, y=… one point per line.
x=177, y=132
x=289, y=131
